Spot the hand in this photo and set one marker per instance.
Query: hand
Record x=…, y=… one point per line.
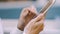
x=35, y=26
x=26, y=15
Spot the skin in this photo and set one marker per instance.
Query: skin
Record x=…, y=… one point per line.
x=27, y=14
x=35, y=26
x=30, y=22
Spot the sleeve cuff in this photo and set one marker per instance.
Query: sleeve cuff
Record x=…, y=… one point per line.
x=24, y=33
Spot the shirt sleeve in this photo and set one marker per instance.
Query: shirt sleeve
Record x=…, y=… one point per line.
x=16, y=31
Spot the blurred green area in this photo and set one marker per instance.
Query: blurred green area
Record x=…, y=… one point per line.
x=14, y=13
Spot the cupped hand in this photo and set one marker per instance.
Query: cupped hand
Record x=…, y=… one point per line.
x=35, y=26
x=26, y=15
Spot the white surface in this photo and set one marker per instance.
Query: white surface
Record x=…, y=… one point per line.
x=51, y=26
x=16, y=31
x=18, y=4
x=1, y=28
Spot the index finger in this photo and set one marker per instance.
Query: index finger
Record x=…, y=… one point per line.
x=39, y=17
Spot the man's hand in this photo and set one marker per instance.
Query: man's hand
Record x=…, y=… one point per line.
x=35, y=26
x=26, y=15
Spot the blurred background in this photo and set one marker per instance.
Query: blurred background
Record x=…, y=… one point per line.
x=10, y=11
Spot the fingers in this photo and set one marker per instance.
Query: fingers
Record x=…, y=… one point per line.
x=39, y=25
x=29, y=10
x=24, y=12
x=32, y=9
x=39, y=17
x=40, y=22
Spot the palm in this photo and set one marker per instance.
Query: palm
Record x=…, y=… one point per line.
x=35, y=26
x=26, y=15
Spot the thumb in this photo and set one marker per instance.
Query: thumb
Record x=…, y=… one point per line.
x=39, y=17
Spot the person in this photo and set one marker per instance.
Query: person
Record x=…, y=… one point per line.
x=30, y=21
